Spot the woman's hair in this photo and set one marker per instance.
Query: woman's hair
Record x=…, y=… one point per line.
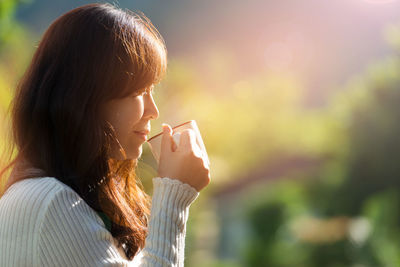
x=88, y=56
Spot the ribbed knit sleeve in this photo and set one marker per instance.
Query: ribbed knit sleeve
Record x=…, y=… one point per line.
x=165, y=243
x=72, y=234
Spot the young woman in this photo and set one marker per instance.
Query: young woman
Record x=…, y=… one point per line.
x=79, y=118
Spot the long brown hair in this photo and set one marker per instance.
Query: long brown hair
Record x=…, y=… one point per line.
x=89, y=55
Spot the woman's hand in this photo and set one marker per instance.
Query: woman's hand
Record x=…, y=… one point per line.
x=183, y=162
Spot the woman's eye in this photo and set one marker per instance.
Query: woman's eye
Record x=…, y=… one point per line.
x=138, y=94
x=144, y=92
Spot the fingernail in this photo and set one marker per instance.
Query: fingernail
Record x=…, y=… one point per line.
x=164, y=127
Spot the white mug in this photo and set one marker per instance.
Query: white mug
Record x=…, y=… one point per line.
x=155, y=141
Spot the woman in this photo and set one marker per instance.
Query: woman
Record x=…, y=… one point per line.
x=79, y=118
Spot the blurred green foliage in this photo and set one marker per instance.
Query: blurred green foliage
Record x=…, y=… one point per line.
x=346, y=214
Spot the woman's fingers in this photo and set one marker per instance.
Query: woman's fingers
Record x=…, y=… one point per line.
x=186, y=163
x=187, y=141
x=166, y=142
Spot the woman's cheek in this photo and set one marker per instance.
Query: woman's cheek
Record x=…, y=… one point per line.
x=139, y=108
x=136, y=110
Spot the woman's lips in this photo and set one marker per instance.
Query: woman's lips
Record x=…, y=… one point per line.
x=143, y=134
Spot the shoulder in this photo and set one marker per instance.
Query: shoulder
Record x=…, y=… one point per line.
x=30, y=197
x=35, y=186
x=36, y=210
x=62, y=201
x=72, y=234
x=44, y=199
x=55, y=203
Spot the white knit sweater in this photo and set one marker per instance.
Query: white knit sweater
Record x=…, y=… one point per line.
x=43, y=222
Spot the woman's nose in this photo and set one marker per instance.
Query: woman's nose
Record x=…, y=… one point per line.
x=151, y=109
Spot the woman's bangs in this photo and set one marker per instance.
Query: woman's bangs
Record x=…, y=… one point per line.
x=147, y=58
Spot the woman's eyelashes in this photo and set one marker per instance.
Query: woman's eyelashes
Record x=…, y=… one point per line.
x=144, y=92
x=139, y=93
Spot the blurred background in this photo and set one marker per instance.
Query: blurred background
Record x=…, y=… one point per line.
x=298, y=103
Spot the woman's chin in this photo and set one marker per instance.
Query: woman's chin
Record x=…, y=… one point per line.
x=135, y=153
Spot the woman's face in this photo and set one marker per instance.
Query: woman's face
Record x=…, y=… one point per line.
x=130, y=118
